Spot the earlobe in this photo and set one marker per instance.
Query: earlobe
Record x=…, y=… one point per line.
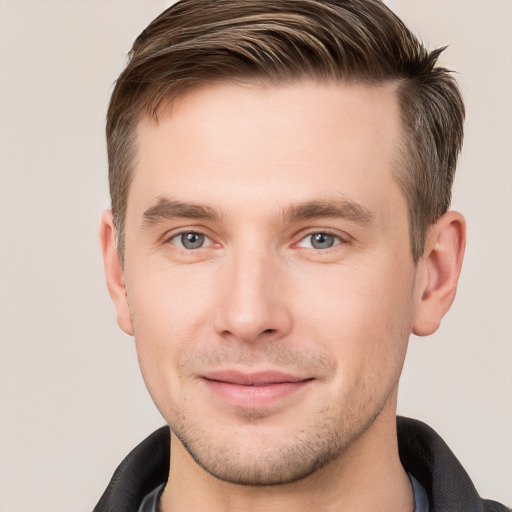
x=438, y=277
x=114, y=272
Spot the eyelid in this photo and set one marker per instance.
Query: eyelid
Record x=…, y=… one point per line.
x=342, y=237
x=207, y=242
x=168, y=237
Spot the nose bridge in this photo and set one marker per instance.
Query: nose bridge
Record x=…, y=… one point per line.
x=252, y=299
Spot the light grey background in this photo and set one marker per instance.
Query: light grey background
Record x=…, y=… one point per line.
x=72, y=402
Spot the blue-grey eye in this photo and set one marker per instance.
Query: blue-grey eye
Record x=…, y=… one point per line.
x=322, y=240
x=189, y=240
x=319, y=240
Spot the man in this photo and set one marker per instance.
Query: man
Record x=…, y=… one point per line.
x=280, y=174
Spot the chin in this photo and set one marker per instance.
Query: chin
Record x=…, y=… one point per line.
x=262, y=465
x=256, y=455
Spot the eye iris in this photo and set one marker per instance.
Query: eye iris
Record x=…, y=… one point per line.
x=322, y=240
x=192, y=240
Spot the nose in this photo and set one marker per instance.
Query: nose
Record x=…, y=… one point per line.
x=253, y=304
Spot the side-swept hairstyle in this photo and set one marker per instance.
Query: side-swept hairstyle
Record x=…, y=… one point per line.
x=281, y=41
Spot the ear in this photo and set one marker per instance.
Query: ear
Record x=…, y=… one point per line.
x=114, y=273
x=439, y=272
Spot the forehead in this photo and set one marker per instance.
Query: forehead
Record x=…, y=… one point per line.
x=228, y=143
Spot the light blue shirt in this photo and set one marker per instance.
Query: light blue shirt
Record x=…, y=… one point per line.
x=150, y=501
x=420, y=496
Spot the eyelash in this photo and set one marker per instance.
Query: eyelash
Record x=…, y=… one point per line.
x=181, y=234
x=338, y=240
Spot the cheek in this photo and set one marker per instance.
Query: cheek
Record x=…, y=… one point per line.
x=362, y=315
x=170, y=316
x=169, y=303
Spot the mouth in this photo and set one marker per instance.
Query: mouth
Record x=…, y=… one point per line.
x=254, y=390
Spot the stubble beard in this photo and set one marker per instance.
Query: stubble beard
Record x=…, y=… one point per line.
x=251, y=454
x=309, y=448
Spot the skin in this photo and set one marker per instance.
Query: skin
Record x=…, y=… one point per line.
x=238, y=164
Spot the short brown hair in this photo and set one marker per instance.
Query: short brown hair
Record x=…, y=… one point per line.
x=199, y=41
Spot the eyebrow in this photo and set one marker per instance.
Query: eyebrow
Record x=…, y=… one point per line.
x=168, y=208
x=331, y=209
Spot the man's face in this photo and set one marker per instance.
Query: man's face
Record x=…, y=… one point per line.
x=268, y=273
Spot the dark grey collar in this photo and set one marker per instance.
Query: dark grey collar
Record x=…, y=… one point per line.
x=422, y=452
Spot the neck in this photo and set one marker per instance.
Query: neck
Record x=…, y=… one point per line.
x=367, y=477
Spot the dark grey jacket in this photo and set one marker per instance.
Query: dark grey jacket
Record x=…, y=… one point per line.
x=423, y=453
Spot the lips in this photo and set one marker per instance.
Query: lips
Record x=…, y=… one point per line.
x=254, y=390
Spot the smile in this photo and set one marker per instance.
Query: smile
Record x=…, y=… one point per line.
x=254, y=390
